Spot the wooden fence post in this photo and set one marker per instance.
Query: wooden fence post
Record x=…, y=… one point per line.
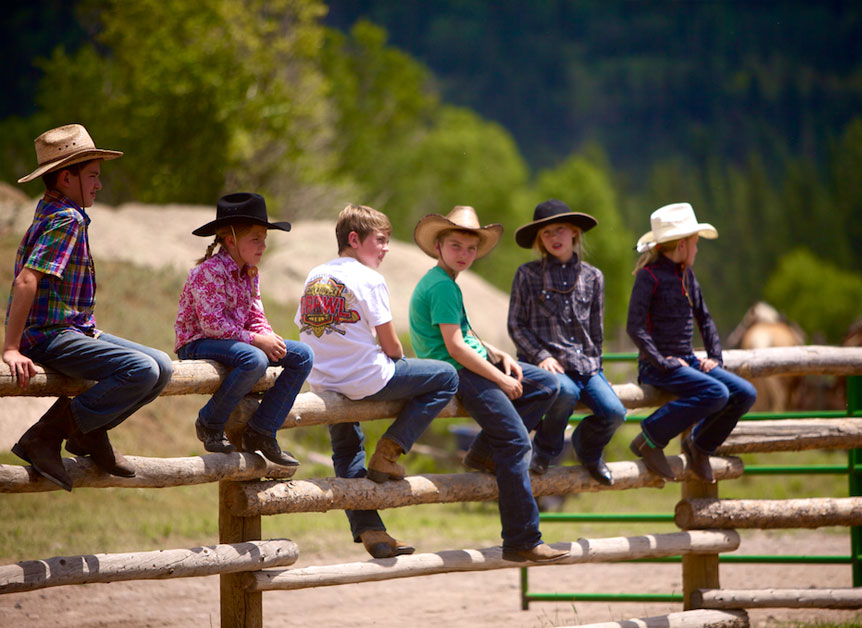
x=239, y=609
x=699, y=571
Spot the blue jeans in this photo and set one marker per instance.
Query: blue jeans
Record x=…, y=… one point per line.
x=248, y=364
x=128, y=375
x=712, y=402
x=505, y=436
x=426, y=386
x=594, y=431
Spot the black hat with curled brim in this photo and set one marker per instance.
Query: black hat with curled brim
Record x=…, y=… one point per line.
x=240, y=207
x=551, y=211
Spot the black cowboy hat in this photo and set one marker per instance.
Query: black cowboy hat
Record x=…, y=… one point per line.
x=240, y=207
x=550, y=211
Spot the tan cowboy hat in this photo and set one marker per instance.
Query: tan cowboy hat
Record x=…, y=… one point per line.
x=64, y=146
x=463, y=218
x=674, y=222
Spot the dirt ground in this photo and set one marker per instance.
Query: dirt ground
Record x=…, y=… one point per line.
x=458, y=600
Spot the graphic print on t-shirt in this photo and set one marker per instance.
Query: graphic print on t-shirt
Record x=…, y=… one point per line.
x=325, y=306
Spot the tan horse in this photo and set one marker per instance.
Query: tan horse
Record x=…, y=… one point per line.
x=763, y=326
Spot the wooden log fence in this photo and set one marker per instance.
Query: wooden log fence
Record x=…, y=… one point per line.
x=582, y=551
x=763, y=514
x=30, y=575
x=250, y=499
x=149, y=472
x=685, y=619
x=244, y=498
x=849, y=598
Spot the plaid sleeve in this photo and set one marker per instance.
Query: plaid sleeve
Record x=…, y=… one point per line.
x=53, y=247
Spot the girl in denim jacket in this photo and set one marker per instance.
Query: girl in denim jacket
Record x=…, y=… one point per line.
x=666, y=301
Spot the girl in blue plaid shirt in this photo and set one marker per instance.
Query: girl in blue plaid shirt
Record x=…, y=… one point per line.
x=555, y=321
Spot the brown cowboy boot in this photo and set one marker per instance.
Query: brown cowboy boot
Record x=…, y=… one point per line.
x=379, y=544
x=96, y=445
x=698, y=460
x=383, y=465
x=40, y=445
x=653, y=457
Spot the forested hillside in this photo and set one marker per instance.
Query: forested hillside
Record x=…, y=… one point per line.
x=751, y=111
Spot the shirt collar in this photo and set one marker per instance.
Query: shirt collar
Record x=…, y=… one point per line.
x=54, y=200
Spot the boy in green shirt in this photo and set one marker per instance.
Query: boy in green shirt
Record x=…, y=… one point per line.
x=507, y=398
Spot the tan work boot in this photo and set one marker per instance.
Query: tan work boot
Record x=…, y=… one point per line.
x=379, y=544
x=542, y=553
x=383, y=465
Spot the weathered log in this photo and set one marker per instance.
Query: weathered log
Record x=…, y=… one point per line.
x=793, y=435
x=582, y=551
x=692, y=514
x=30, y=575
x=778, y=598
x=789, y=361
x=320, y=495
x=685, y=619
x=149, y=472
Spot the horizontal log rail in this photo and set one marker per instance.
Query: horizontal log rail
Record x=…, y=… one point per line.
x=778, y=598
x=793, y=435
x=209, y=560
x=251, y=499
x=582, y=551
x=763, y=514
x=699, y=618
x=149, y=472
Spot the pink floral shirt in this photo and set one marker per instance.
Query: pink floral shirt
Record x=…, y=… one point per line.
x=220, y=301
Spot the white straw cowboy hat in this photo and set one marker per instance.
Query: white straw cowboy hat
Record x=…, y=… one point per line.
x=65, y=146
x=674, y=222
x=462, y=218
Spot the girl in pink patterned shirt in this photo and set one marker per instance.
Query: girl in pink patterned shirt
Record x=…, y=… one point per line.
x=221, y=318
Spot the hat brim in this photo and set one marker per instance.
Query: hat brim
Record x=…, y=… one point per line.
x=647, y=241
x=70, y=160
x=431, y=226
x=210, y=228
x=526, y=235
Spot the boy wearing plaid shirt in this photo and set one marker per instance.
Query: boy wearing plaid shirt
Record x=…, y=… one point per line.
x=50, y=318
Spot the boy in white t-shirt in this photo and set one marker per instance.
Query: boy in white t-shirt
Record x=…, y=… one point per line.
x=344, y=316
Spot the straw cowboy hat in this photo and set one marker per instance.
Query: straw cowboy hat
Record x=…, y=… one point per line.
x=240, y=207
x=462, y=218
x=674, y=222
x=549, y=212
x=65, y=146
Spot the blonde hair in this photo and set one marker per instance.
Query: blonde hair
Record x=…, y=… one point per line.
x=652, y=255
x=361, y=219
x=236, y=229
x=577, y=240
